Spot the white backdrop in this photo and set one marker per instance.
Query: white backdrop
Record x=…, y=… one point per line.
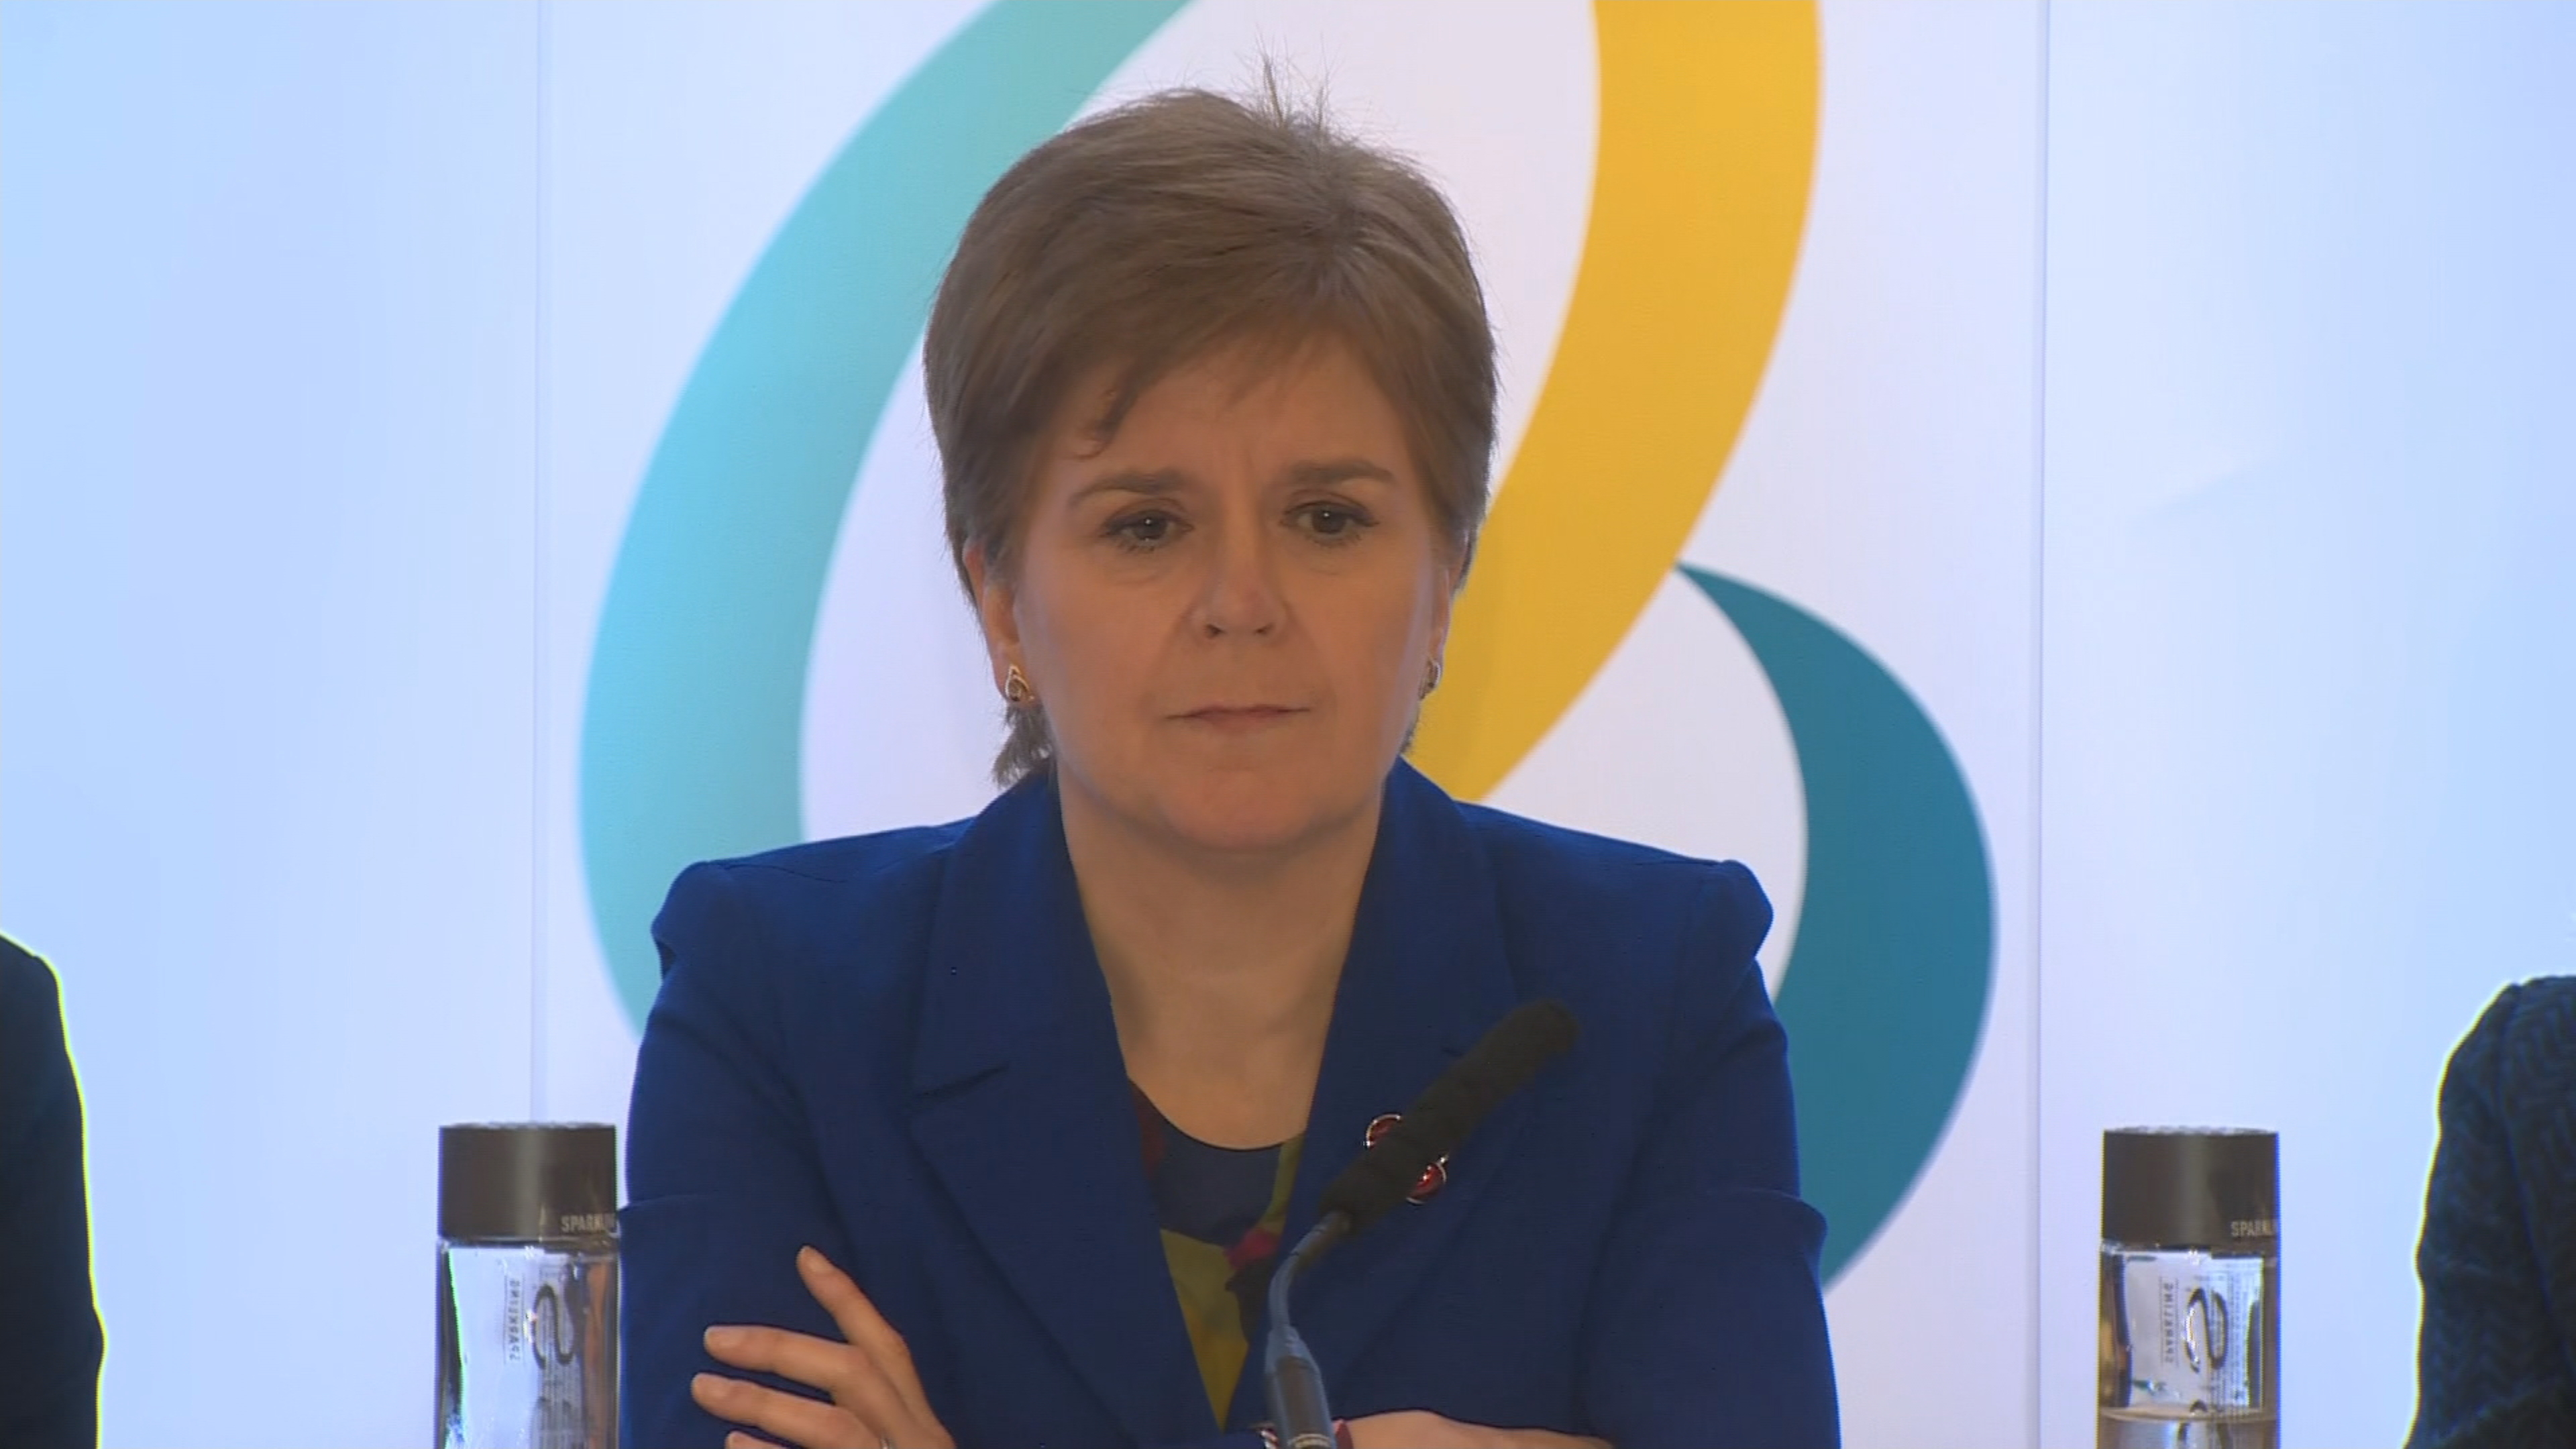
x=2171, y=400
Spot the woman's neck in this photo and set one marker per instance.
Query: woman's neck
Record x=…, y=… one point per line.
x=1221, y=970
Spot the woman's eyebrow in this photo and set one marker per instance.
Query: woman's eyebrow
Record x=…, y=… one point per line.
x=1337, y=470
x=1166, y=482
x=1156, y=483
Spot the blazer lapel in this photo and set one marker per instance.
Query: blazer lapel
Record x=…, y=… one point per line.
x=1021, y=1108
x=1426, y=976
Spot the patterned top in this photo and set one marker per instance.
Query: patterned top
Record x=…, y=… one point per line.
x=1221, y=1211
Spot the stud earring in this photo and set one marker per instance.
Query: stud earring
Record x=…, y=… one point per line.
x=1016, y=689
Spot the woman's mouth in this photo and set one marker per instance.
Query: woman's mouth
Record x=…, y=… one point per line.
x=1241, y=717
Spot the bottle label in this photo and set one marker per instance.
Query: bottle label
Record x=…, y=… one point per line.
x=530, y=1326
x=2191, y=1321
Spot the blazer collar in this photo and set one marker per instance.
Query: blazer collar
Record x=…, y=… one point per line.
x=1021, y=1104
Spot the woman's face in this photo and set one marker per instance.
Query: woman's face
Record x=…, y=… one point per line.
x=1228, y=609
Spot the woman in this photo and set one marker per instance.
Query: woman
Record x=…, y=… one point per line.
x=989, y=1133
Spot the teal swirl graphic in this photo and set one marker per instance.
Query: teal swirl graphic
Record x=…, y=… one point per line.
x=690, y=737
x=1885, y=991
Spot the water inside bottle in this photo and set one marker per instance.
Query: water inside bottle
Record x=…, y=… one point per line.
x=527, y=1347
x=2190, y=1344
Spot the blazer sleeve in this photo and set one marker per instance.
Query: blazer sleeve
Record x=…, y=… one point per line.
x=2491, y=1367
x=1707, y=1322
x=722, y=1184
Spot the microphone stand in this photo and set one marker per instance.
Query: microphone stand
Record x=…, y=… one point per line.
x=1499, y=1064
x=1299, y=1411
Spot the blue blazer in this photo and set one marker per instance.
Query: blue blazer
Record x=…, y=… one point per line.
x=898, y=1048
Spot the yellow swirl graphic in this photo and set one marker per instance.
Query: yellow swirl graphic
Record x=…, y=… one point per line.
x=1708, y=143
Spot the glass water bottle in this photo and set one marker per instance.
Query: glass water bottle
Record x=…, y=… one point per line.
x=527, y=1286
x=2191, y=1289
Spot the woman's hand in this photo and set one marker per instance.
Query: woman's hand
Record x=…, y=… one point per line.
x=1414, y=1429
x=876, y=1397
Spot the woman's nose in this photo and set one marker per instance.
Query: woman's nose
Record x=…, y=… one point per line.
x=1241, y=592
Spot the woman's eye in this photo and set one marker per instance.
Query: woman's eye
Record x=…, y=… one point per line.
x=1144, y=530
x=1333, y=521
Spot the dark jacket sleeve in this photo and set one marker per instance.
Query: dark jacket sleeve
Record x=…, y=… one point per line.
x=1707, y=1324
x=50, y=1341
x=722, y=1183
x=2498, y=1254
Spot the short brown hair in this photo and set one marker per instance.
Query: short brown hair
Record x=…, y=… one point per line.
x=1152, y=234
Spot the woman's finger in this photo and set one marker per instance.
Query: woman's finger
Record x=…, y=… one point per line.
x=740, y=1440
x=848, y=1374
x=865, y=1327
x=819, y=1362
x=792, y=1418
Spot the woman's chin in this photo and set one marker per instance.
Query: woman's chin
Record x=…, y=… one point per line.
x=1257, y=812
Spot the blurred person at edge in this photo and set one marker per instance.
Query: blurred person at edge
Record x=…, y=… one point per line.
x=2496, y=1353
x=50, y=1340
x=989, y=1133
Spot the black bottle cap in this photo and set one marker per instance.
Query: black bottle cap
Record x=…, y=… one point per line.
x=526, y=1181
x=2216, y=1188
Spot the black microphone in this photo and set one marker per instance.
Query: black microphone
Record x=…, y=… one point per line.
x=1502, y=1063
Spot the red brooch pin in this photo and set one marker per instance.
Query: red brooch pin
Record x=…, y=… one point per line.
x=1434, y=1177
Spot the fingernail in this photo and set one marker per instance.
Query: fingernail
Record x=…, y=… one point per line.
x=811, y=1260
x=703, y=1385
x=722, y=1337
